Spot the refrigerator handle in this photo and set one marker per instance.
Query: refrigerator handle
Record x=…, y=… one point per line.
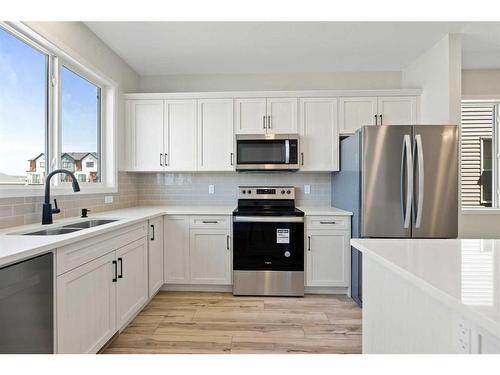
x=420, y=159
x=406, y=206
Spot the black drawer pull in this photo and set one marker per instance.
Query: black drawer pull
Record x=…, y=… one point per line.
x=227, y=242
x=210, y=222
x=115, y=271
x=308, y=243
x=328, y=222
x=121, y=268
x=153, y=234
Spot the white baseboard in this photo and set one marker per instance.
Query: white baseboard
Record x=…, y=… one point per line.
x=326, y=290
x=229, y=289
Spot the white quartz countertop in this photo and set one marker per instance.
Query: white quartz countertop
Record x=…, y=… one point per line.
x=462, y=273
x=15, y=247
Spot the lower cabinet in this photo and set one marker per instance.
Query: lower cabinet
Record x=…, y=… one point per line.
x=210, y=256
x=86, y=306
x=197, y=250
x=155, y=255
x=98, y=298
x=327, y=255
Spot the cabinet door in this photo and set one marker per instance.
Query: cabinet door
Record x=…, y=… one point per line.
x=210, y=256
x=250, y=116
x=356, y=112
x=215, y=135
x=144, y=135
x=176, y=249
x=282, y=115
x=132, y=285
x=180, y=139
x=86, y=306
x=397, y=110
x=327, y=258
x=319, y=137
x=155, y=255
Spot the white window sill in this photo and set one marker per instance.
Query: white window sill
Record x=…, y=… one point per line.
x=481, y=211
x=23, y=191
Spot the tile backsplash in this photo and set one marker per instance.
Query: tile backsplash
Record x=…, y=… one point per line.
x=28, y=210
x=168, y=189
x=193, y=188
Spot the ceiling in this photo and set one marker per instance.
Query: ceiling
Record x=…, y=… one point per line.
x=157, y=48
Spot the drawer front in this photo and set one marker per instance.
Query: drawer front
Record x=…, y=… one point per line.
x=328, y=222
x=86, y=250
x=209, y=221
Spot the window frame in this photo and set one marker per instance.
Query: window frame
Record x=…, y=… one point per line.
x=58, y=57
x=481, y=167
x=474, y=100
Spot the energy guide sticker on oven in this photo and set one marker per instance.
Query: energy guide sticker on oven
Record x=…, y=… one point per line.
x=282, y=235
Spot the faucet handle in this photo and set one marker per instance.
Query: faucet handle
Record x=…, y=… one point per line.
x=85, y=211
x=55, y=210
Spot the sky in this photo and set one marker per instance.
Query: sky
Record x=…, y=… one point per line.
x=22, y=107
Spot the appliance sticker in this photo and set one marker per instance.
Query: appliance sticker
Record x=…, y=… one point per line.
x=282, y=235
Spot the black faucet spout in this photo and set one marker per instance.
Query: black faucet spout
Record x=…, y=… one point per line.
x=47, y=210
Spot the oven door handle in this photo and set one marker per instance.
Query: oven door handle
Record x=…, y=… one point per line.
x=268, y=219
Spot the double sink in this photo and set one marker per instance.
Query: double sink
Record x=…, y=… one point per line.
x=70, y=228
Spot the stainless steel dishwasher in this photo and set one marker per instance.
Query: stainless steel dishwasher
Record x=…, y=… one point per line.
x=27, y=306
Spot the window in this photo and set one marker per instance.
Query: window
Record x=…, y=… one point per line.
x=479, y=169
x=23, y=109
x=80, y=118
x=54, y=113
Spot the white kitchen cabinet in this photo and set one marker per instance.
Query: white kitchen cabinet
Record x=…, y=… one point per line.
x=319, y=137
x=215, y=135
x=486, y=342
x=86, y=306
x=327, y=258
x=132, y=284
x=250, y=115
x=176, y=249
x=145, y=135
x=155, y=255
x=397, y=110
x=282, y=115
x=180, y=135
x=210, y=256
x=355, y=112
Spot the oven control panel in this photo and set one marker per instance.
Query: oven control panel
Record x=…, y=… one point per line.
x=266, y=192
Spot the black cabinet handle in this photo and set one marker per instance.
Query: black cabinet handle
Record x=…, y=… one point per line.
x=166, y=160
x=153, y=234
x=269, y=122
x=209, y=221
x=308, y=243
x=376, y=119
x=381, y=122
x=227, y=242
x=232, y=158
x=161, y=159
x=327, y=222
x=121, y=268
x=115, y=271
x=264, y=122
x=302, y=158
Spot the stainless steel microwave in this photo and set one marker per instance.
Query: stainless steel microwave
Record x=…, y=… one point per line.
x=267, y=152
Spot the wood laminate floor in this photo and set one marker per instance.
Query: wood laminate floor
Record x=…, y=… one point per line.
x=189, y=322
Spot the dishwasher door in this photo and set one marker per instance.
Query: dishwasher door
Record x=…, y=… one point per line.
x=27, y=306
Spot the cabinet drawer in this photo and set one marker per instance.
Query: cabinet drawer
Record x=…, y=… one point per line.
x=86, y=250
x=218, y=222
x=327, y=222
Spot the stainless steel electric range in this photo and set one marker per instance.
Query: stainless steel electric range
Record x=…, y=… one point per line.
x=268, y=242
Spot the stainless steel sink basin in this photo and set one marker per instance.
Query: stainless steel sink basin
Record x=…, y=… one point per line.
x=89, y=223
x=52, y=231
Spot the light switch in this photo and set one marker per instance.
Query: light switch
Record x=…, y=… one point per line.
x=108, y=199
x=307, y=189
x=211, y=189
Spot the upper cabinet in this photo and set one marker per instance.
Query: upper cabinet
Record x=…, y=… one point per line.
x=319, y=135
x=215, y=135
x=180, y=135
x=355, y=112
x=261, y=115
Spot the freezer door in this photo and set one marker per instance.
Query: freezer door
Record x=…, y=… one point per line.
x=435, y=203
x=386, y=163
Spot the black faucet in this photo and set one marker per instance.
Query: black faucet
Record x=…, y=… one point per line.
x=47, y=207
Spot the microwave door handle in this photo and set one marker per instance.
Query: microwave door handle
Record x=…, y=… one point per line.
x=287, y=151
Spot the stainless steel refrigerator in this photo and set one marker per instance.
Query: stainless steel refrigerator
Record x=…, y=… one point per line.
x=400, y=182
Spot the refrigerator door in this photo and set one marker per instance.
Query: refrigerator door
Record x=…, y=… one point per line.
x=386, y=173
x=435, y=199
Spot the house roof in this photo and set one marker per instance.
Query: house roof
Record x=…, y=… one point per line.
x=42, y=154
x=72, y=155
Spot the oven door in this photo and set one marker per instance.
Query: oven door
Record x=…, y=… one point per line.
x=267, y=243
x=278, y=152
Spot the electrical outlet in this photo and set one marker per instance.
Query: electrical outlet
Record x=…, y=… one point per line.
x=307, y=189
x=211, y=189
x=108, y=199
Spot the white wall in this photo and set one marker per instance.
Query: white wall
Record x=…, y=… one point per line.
x=288, y=81
x=438, y=73
x=78, y=41
x=481, y=82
